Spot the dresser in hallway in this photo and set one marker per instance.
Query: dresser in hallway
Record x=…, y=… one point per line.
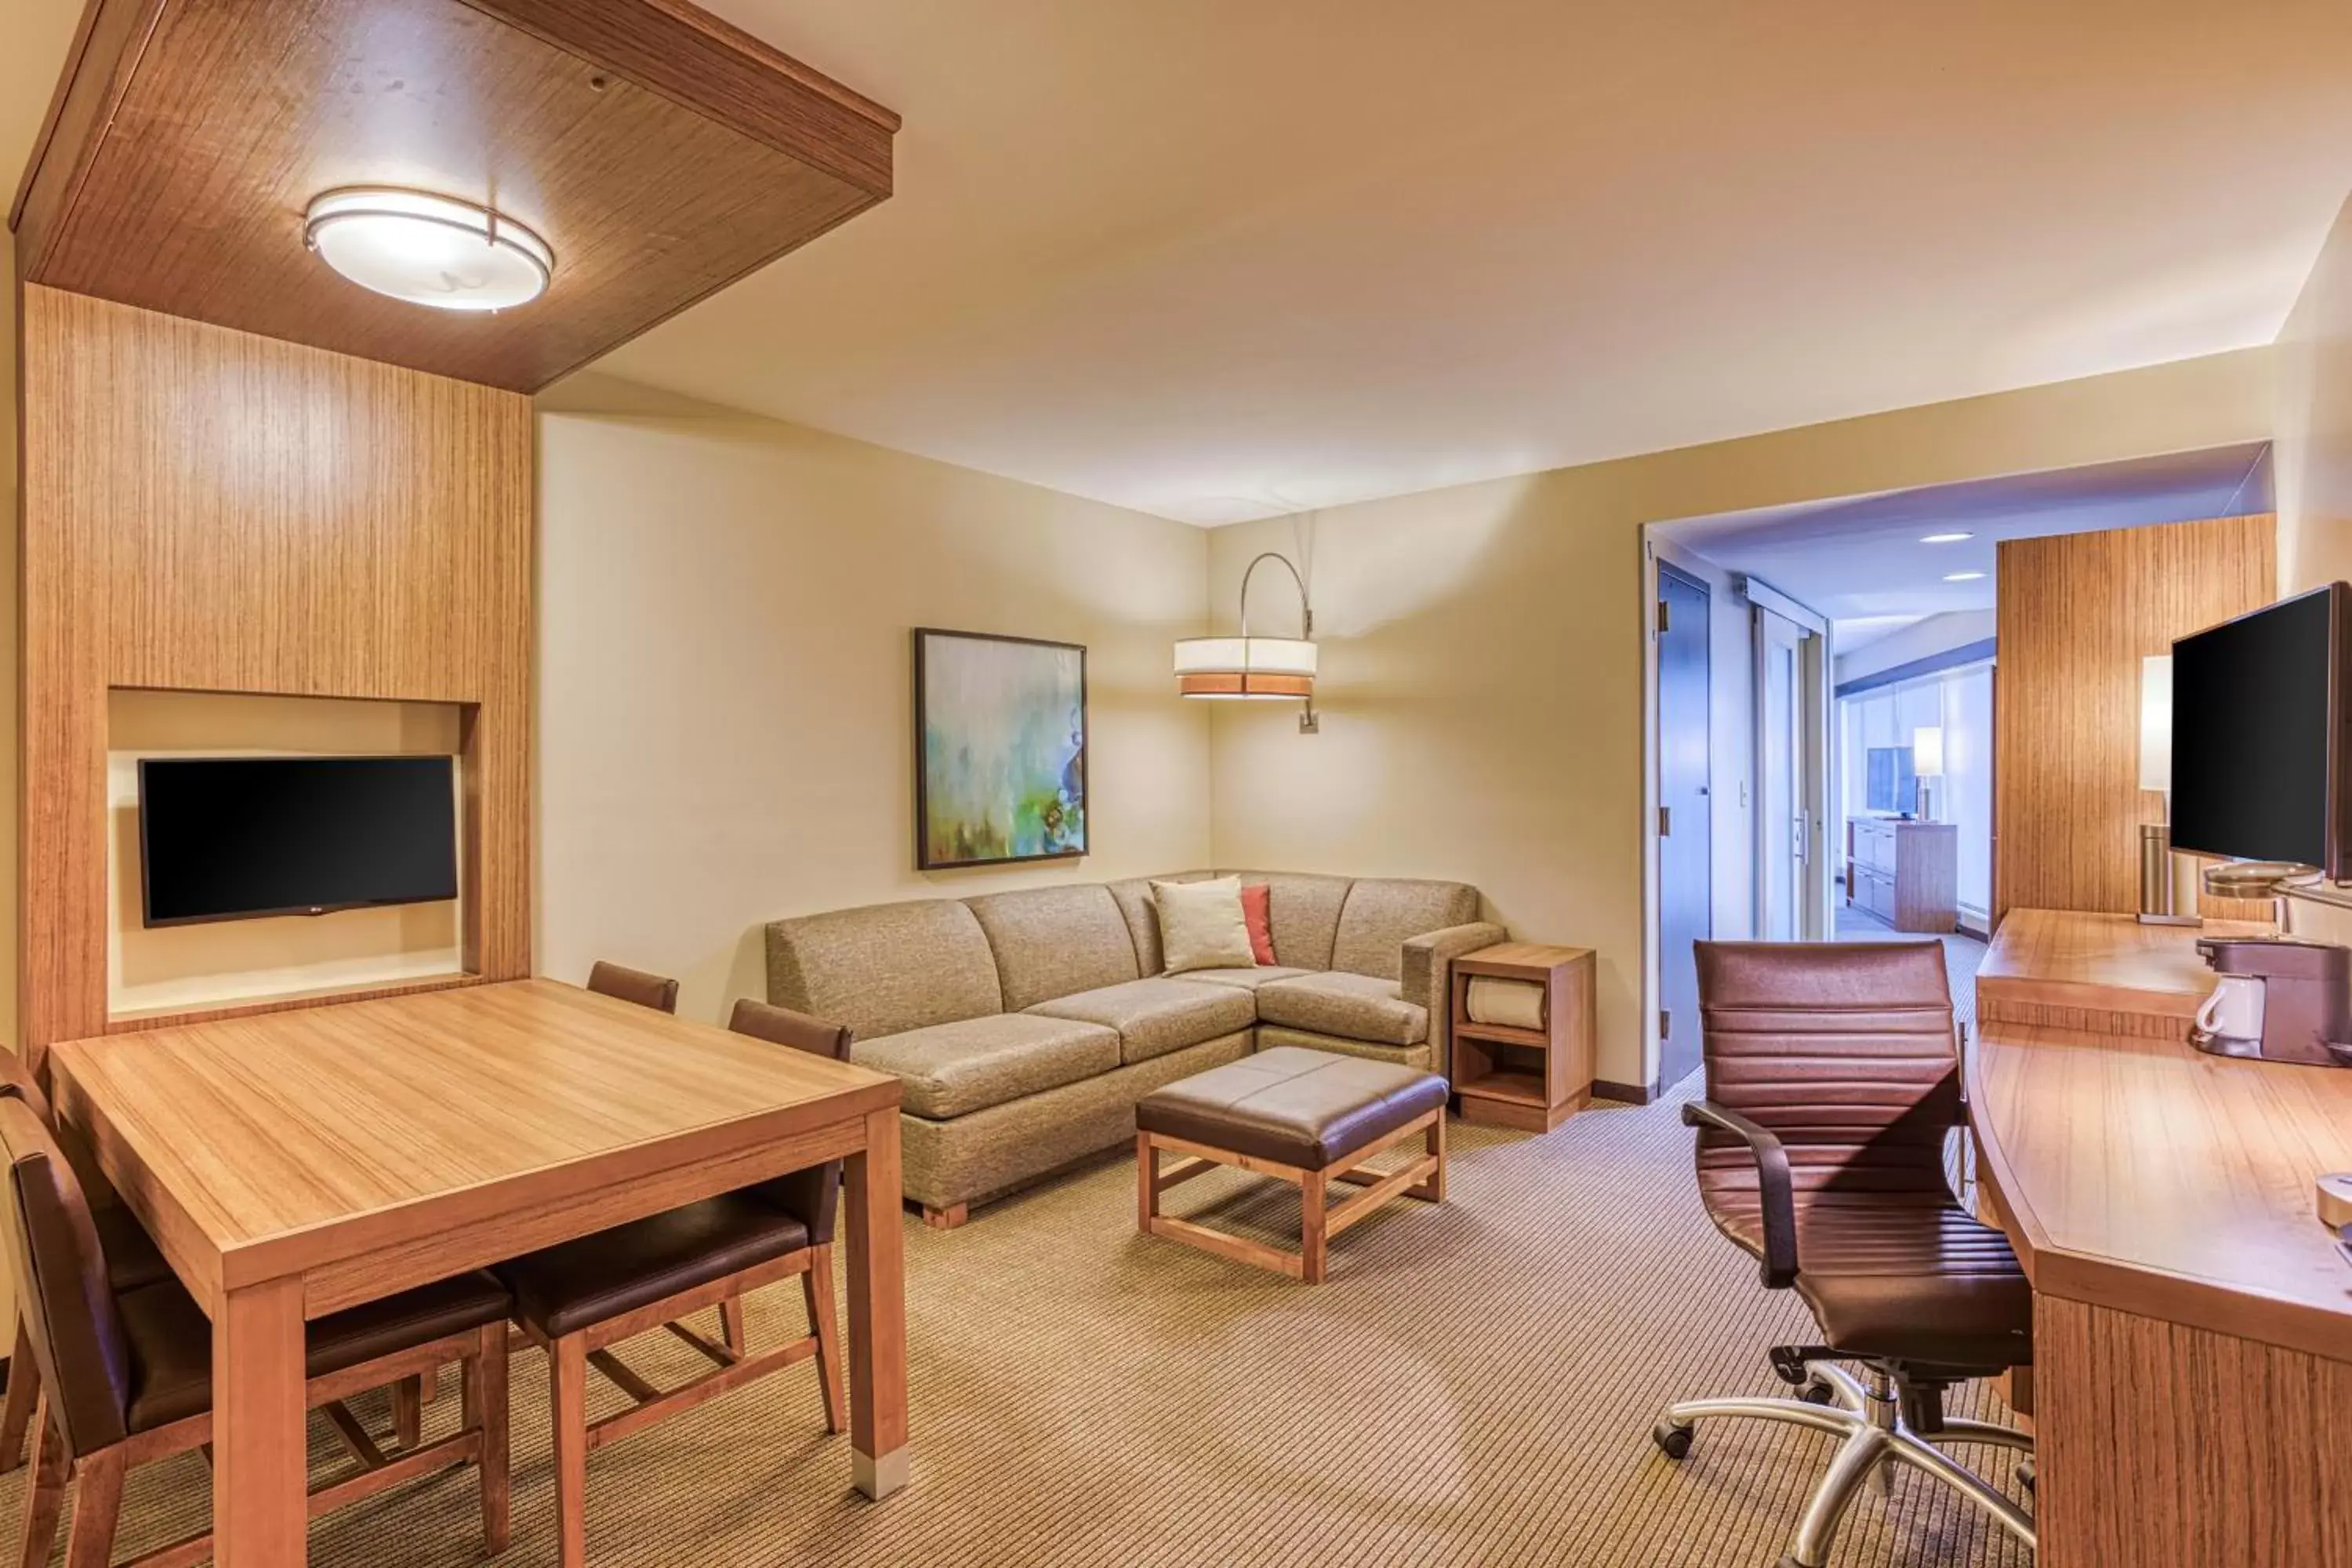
x=1904, y=872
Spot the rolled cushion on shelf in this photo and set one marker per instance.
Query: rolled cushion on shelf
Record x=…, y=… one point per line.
x=1512, y=1004
x=1202, y=925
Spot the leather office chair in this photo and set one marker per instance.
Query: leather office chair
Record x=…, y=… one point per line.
x=579, y=1297
x=1832, y=1081
x=624, y=984
x=126, y=1376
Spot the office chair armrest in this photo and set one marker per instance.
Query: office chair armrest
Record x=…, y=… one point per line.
x=1772, y=1185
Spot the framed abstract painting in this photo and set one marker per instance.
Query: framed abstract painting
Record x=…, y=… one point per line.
x=1000, y=750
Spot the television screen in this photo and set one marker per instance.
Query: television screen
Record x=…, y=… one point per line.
x=2254, y=731
x=1892, y=785
x=235, y=837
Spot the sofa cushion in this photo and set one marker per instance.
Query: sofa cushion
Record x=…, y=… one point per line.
x=1242, y=979
x=1136, y=906
x=1304, y=910
x=1051, y=941
x=1156, y=1015
x=1356, y=1005
x=1382, y=911
x=951, y=1068
x=885, y=969
x=1202, y=925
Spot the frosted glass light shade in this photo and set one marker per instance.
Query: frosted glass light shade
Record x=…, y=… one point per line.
x=427, y=249
x=1927, y=752
x=2156, y=721
x=1244, y=667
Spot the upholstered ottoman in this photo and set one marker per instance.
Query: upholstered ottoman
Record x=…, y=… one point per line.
x=1309, y=1118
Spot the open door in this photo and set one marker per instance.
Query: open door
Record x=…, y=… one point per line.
x=1686, y=908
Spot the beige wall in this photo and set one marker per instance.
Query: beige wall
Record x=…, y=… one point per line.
x=2314, y=465
x=1484, y=660
x=724, y=682
x=2314, y=455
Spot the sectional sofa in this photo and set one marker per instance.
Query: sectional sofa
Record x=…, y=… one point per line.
x=1026, y=1026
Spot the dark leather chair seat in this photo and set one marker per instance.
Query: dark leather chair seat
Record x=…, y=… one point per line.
x=1901, y=1275
x=171, y=1340
x=132, y=1259
x=579, y=1283
x=1293, y=1106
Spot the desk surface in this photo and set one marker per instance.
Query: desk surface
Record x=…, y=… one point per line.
x=269, y=1144
x=2141, y=1173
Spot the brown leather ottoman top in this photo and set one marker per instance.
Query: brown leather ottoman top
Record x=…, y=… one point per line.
x=1292, y=1106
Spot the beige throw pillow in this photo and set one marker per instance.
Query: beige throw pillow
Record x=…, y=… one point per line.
x=1202, y=925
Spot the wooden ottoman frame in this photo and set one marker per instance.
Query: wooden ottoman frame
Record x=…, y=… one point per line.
x=1423, y=1178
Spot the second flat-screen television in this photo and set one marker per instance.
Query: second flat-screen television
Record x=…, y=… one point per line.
x=2258, y=735
x=224, y=838
x=1892, y=783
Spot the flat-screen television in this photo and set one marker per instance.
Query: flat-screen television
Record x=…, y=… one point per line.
x=225, y=839
x=2258, y=734
x=1890, y=785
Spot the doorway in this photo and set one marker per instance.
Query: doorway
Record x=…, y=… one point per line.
x=1686, y=833
x=1791, y=768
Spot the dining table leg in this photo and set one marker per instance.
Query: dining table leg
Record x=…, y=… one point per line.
x=259, y=1476
x=877, y=1310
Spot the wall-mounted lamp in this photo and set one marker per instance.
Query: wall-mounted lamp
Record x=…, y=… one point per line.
x=1248, y=668
x=428, y=249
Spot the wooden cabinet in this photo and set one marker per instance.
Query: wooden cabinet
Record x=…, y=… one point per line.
x=1905, y=873
x=1508, y=1076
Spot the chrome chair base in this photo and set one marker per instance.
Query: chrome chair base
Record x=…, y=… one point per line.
x=1870, y=1420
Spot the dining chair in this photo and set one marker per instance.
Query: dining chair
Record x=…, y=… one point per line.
x=624, y=984
x=126, y=1376
x=814, y=1194
x=579, y=1298
x=132, y=1259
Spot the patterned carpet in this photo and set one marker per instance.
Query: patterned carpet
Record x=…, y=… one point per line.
x=1474, y=1385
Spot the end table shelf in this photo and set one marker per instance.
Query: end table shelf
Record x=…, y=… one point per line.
x=1506, y=1076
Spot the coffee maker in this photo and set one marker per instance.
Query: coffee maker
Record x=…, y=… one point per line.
x=2279, y=999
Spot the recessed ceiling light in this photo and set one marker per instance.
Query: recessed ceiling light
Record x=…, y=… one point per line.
x=1944, y=538
x=1962, y=576
x=428, y=249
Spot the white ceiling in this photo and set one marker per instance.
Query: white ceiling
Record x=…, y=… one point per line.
x=1863, y=563
x=1222, y=258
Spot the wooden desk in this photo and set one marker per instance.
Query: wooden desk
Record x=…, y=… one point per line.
x=296, y=1163
x=2192, y=1319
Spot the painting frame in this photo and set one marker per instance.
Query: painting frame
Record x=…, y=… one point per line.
x=931, y=857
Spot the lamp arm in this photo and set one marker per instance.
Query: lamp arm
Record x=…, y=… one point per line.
x=1306, y=610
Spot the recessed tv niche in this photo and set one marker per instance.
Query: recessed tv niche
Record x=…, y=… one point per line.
x=226, y=838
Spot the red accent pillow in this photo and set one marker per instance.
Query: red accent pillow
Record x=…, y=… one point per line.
x=1261, y=929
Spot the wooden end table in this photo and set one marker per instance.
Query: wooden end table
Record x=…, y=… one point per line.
x=1532, y=1079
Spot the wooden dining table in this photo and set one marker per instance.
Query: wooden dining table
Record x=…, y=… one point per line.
x=294, y=1164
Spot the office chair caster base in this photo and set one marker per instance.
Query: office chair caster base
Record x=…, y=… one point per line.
x=1874, y=1437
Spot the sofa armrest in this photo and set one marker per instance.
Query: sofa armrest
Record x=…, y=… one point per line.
x=1427, y=973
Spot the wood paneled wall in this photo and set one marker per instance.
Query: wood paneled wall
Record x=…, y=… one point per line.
x=2076, y=614
x=206, y=510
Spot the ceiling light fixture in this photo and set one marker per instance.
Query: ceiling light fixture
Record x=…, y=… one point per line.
x=1962, y=576
x=428, y=249
x=1247, y=668
x=1944, y=538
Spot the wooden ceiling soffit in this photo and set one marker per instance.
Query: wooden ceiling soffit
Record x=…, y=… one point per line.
x=661, y=153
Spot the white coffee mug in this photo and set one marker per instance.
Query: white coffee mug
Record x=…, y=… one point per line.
x=2234, y=1011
